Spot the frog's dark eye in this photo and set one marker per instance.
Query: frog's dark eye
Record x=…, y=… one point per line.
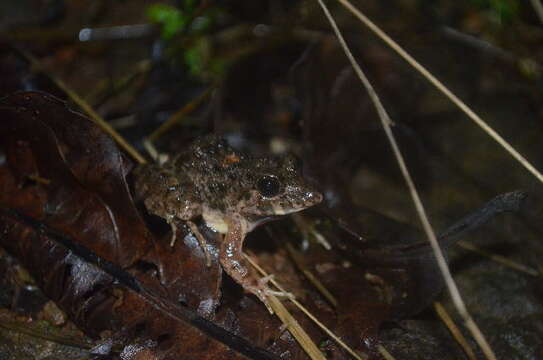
x=268, y=186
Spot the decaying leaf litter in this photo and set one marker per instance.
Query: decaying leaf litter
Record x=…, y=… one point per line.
x=353, y=188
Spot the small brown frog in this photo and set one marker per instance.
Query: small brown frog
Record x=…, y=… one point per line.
x=232, y=192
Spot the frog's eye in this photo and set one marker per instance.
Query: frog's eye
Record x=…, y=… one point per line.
x=268, y=186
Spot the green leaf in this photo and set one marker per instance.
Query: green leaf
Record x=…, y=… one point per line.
x=172, y=19
x=194, y=60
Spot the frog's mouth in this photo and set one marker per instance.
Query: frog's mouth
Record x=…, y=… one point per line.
x=263, y=220
x=309, y=201
x=280, y=211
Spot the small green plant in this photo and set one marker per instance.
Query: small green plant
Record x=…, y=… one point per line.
x=195, y=57
x=185, y=21
x=176, y=20
x=172, y=19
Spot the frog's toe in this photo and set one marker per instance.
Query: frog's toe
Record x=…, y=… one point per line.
x=263, y=282
x=262, y=291
x=263, y=286
x=286, y=294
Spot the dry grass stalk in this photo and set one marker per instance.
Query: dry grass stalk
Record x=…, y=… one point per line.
x=309, y=275
x=442, y=263
x=441, y=87
x=538, y=7
x=499, y=259
x=181, y=114
x=455, y=331
x=87, y=109
x=302, y=308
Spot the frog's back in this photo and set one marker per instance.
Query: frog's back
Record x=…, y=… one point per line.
x=215, y=169
x=166, y=192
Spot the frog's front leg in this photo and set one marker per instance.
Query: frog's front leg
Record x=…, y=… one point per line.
x=231, y=258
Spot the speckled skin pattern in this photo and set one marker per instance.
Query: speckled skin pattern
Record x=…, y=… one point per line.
x=215, y=181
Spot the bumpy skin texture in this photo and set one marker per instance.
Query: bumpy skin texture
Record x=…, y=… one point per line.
x=233, y=193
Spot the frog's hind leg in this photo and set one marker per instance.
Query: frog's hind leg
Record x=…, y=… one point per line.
x=194, y=229
x=201, y=241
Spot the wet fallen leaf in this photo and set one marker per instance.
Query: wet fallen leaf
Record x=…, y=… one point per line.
x=68, y=216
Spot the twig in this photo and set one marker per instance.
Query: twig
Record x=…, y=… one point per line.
x=439, y=85
x=180, y=114
x=308, y=314
x=384, y=352
x=295, y=329
x=86, y=108
x=308, y=229
x=481, y=45
x=289, y=321
x=309, y=275
x=123, y=32
x=455, y=331
x=98, y=95
x=538, y=7
x=499, y=259
x=442, y=263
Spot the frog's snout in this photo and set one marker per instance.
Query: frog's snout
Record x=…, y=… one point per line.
x=312, y=197
x=317, y=196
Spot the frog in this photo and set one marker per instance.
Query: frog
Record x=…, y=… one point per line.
x=232, y=193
